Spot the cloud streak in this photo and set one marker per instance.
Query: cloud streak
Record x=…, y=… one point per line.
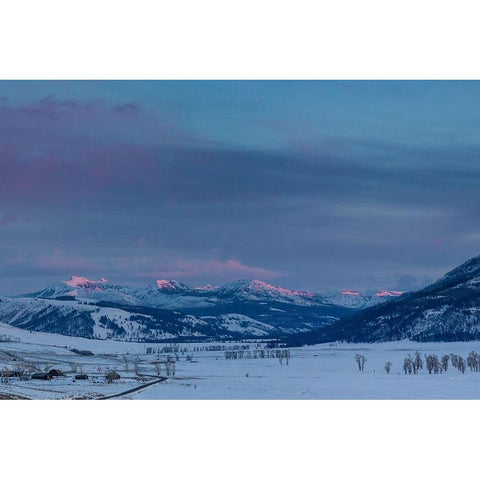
x=208, y=187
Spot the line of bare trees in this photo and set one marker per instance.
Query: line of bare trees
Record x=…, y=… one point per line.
x=435, y=364
x=281, y=355
x=23, y=371
x=432, y=363
x=221, y=348
x=169, y=366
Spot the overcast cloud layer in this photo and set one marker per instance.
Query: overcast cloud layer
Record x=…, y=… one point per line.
x=310, y=185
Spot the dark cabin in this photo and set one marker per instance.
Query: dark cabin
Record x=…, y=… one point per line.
x=41, y=376
x=81, y=376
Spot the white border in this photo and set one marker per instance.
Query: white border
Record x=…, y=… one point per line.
x=105, y=39
x=239, y=439
x=248, y=39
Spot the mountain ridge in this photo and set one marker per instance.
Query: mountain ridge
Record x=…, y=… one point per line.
x=446, y=310
x=174, y=310
x=156, y=294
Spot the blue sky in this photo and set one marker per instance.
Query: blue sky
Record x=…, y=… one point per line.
x=314, y=185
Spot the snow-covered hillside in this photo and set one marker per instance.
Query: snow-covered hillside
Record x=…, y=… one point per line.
x=102, y=320
x=447, y=310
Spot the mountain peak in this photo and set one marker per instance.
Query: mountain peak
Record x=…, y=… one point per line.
x=350, y=292
x=83, y=282
x=388, y=293
x=259, y=288
x=171, y=285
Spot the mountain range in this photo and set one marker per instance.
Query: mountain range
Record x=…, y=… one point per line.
x=171, y=310
x=447, y=310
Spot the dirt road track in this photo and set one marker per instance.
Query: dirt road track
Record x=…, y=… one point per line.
x=132, y=390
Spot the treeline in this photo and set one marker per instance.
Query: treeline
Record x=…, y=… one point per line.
x=433, y=364
x=220, y=348
x=436, y=365
x=281, y=355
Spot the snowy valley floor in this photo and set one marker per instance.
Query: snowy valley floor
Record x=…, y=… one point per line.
x=317, y=372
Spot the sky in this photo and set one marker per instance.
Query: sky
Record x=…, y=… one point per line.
x=316, y=185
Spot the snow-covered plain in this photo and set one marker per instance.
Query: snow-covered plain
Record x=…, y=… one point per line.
x=326, y=371
x=321, y=372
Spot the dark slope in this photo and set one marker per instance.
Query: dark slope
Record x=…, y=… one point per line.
x=447, y=310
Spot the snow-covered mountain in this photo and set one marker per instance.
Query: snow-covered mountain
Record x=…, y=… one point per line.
x=178, y=295
x=168, y=309
x=447, y=310
x=89, y=289
x=356, y=300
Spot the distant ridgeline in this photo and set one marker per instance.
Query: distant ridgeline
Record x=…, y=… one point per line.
x=169, y=310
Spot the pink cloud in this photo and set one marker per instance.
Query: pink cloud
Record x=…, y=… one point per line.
x=214, y=269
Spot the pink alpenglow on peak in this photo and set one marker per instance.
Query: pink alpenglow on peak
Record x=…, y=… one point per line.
x=350, y=292
x=388, y=293
x=261, y=286
x=169, y=285
x=83, y=282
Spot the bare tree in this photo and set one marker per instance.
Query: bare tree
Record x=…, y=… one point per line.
x=473, y=361
x=281, y=354
x=454, y=360
x=417, y=362
x=137, y=369
x=388, y=367
x=445, y=360
x=429, y=363
x=408, y=365
x=461, y=365
x=433, y=364
x=437, y=366
x=360, y=360
x=158, y=368
x=5, y=375
x=25, y=370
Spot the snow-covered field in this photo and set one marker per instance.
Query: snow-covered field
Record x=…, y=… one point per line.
x=322, y=372
x=317, y=372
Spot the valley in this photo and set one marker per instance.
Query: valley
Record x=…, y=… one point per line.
x=202, y=370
